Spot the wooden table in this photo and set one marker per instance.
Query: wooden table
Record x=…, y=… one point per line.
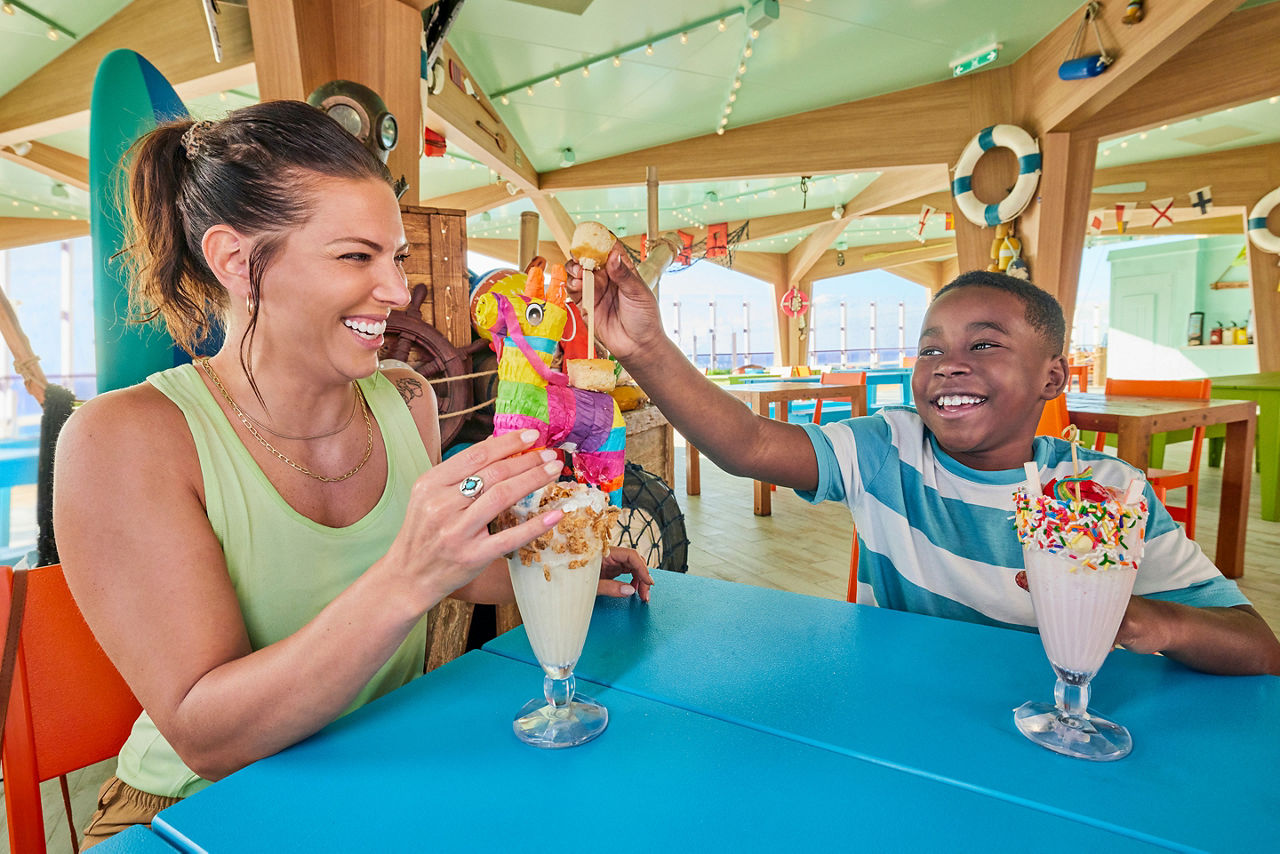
x=761, y=397
x=1135, y=419
x=1264, y=388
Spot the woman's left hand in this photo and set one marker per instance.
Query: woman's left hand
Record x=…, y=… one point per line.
x=623, y=562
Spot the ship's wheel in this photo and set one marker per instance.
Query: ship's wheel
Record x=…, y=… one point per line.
x=412, y=340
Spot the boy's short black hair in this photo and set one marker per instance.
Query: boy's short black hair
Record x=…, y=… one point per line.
x=1044, y=313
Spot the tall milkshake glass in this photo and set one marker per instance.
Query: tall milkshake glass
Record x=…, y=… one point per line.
x=1081, y=559
x=555, y=579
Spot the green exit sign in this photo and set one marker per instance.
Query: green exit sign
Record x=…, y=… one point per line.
x=973, y=63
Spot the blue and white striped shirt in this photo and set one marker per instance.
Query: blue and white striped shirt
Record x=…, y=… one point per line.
x=936, y=537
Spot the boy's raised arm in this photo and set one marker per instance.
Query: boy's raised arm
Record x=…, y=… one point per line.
x=628, y=322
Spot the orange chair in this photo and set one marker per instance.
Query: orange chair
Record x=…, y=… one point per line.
x=852, y=594
x=838, y=378
x=68, y=707
x=1080, y=375
x=1163, y=480
x=1054, y=418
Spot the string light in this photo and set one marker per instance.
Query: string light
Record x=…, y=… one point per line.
x=684, y=38
x=722, y=26
x=529, y=90
x=53, y=34
x=505, y=100
x=557, y=81
x=648, y=50
x=617, y=62
x=586, y=72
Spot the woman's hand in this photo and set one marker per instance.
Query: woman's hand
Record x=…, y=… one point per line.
x=445, y=540
x=626, y=313
x=623, y=562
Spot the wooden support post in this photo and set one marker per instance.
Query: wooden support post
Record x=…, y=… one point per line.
x=651, y=204
x=528, y=238
x=1264, y=278
x=1052, y=231
x=304, y=43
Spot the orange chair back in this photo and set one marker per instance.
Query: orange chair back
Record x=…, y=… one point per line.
x=68, y=708
x=1184, y=389
x=1162, y=480
x=838, y=378
x=1054, y=418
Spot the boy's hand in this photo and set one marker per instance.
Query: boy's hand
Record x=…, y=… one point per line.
x=626, y=314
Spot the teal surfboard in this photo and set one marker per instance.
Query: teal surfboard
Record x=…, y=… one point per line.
x=130, y=97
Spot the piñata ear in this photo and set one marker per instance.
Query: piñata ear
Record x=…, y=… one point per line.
x=533, y=284
x=557, y=287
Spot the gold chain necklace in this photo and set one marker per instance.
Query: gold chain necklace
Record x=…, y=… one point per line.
x=244, y=419
x=351, y=416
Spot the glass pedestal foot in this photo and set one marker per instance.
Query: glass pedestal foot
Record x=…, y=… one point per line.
x=1084, y=737
x=543, y=725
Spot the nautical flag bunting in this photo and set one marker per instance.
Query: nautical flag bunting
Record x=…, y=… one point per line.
x=925, y=213
x=1162, y=208
x=1202, y=200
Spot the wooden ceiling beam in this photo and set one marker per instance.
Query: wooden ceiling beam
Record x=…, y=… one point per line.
x=70, y=169
x=1178, y=89
x=892, y=186
x=476, y=200
x=509, y=250
x=927, y=273
x=16, y=231
x=172, y=36
x=471, y=123
x=936, y=117
x=1238, y=177
x=884, y=256
x=1044, y=102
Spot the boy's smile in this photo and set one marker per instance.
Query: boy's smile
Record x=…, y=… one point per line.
x=982, y=377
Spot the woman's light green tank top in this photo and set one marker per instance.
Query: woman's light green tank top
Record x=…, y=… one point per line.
x=284, y=567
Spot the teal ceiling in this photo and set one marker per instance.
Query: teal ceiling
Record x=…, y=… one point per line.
x=816, y=53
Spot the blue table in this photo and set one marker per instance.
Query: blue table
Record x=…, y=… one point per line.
x=134, y=840
x=435, y=766
x=935, y=697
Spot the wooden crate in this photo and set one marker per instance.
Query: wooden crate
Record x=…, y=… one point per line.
x=438, y=259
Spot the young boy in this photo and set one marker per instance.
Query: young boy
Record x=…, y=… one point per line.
x=931, y=487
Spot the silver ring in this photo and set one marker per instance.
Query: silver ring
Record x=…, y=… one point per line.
x=471, y=486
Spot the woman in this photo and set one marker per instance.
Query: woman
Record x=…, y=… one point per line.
x=255, y=538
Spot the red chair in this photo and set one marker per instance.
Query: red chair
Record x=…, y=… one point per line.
x=1163, y=480
x=68, y=707
x=838, y=378
x=1054, y=418
x=852, y=594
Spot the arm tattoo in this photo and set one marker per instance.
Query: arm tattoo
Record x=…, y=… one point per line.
x=409, y=389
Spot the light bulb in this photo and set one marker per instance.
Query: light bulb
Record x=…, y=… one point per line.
x=719, y=132
x=617, y=61
x=684, y=38
x=722, y=25
x=837, y=212
x=53, y=34
x=529, y=89
x=648, y=50
x=8, y=9
x=586, y=72
x=747, y=51
x=733, y=96
x=737, y=84
x=742, y=68
x=557, y=81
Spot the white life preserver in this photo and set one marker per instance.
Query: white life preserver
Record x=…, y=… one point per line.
x=1027, y=150
x=1263, y=237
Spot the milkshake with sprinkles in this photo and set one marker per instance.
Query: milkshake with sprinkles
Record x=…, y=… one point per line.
x=1082, y=543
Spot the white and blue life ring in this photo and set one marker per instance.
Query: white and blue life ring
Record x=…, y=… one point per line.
x=1021, y=144
x=1263, y=237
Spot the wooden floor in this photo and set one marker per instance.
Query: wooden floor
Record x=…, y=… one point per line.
x=800, y=548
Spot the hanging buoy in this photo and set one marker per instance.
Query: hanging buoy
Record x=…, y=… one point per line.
x=1261, y=236
x=1081, y=67
x=1021, y=144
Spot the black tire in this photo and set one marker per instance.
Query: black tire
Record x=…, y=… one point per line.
x=651, y=521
